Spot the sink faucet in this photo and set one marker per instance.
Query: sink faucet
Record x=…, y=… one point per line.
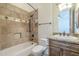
x=64, y=33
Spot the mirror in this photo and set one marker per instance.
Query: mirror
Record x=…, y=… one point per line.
x=64, y=18
x=76, y=18
x=68, y=18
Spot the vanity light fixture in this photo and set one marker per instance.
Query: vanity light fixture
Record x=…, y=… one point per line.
x=64, y=6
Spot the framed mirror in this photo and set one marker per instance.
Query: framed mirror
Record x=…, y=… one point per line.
x=64, y=18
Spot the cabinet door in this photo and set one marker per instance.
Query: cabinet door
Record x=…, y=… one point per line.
x=54, y=51
x=70, y=53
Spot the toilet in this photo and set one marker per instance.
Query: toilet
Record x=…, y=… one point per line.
x=39, y=49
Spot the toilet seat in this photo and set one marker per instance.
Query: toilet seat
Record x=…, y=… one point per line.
x=38, y=48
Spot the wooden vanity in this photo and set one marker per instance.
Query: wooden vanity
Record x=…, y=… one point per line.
x=63, y=48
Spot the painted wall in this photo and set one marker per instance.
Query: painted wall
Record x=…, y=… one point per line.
x=45, y=17
x=55, y=17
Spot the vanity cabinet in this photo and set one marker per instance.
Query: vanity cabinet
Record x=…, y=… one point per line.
x=70, y=53
x=54, y=51
x=62, y=48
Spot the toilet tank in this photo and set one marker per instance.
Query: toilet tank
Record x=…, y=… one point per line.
x=43, y=42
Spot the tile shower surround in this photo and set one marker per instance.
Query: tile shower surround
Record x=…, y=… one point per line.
x=12, y=32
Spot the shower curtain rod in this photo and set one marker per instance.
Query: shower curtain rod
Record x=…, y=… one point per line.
x=31, y=6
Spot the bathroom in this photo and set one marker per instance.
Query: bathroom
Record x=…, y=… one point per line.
x=35, y=29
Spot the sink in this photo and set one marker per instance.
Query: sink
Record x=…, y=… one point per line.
x=65, y=38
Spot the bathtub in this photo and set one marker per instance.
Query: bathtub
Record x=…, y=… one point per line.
x=23, y=49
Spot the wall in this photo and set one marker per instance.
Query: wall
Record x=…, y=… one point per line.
x=33, y=21
x=47, y=12
x=13, y=32
x=54, y=17
x=45, y=17
x=13, y=11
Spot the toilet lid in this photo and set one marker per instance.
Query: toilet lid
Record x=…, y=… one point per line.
x=38, y=48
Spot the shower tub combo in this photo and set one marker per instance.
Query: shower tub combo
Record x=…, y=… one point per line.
x=23, y=49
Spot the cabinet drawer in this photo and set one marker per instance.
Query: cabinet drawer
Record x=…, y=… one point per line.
x=53, y=51
x=58, y=44
x=74, y=46
x=70, y=53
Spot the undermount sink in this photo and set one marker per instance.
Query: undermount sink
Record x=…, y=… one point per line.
x=65, y=38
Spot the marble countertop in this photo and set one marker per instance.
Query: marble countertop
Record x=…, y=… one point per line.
x=70, y=39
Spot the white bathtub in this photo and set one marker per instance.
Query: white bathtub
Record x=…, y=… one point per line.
x=23, y=49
